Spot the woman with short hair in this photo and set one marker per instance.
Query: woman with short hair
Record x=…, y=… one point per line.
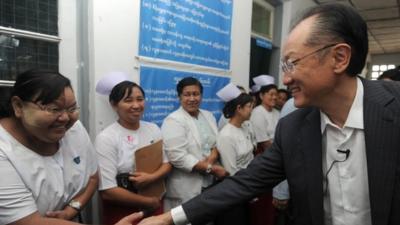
x=236, y=143
x=116, y=146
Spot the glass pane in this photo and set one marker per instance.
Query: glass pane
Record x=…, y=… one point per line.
x=374, y=75
x=33, y=15
x=383, y=68
x=261, y=20
x=5, y=93
x=20, y=54
x=391, y=67
x=375, y=68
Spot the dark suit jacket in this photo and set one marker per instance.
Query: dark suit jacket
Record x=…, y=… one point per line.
x=297, y=155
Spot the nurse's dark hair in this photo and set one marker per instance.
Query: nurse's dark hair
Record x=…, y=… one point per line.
x=266, y=88
x=337, y=23
x=37, y=85
x=188, y=81
x=119, y=90
x=230, y=107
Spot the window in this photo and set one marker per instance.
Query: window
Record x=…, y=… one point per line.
x=24, y=54
x=28, y=36
x=39, y=16
x=377, y=70
x=262, y=19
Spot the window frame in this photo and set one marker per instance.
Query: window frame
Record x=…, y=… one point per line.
x=271, y=9
x=29, y=35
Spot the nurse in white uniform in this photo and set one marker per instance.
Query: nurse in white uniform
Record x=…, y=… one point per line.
x=265, y=117
x=116, y=146
x=48, y=164
x=235, y=143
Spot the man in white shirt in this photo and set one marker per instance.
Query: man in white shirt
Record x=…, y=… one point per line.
x=339, y=151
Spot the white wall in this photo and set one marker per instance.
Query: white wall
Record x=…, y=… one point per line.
x=67, y=29
x=113, y=43
x=241, y=35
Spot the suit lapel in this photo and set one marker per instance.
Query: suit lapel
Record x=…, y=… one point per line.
x=311, y=146
x=381, y=141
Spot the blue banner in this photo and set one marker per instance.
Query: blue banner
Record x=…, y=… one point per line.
x=159, y=86
x=189, y=31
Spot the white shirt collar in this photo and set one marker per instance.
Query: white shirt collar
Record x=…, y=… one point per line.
x=355, y=118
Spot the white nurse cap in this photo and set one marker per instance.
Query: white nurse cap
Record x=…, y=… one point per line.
x=108, y=82
x=229, y=92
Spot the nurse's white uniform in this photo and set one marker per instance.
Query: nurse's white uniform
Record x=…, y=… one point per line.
x=235, y=146
x=116, y=147
x=264, y=123
x=31, y=182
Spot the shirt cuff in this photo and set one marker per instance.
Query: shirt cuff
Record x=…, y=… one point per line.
x=179, y=216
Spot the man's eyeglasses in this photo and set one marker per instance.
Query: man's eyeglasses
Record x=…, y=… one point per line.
x=288, y=65
x=55, y=111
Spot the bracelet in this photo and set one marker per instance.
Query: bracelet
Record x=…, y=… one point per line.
x=209, y=168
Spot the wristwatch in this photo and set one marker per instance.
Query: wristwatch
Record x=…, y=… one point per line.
x=209, y=168
x=75, y=204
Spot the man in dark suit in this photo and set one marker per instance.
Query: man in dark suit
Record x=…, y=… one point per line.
x=340, y=151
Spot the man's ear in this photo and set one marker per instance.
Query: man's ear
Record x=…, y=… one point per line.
x=342, y=56
x=17, y=105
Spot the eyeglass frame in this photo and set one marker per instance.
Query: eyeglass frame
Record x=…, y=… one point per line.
x=288, y=66
x=56, y=112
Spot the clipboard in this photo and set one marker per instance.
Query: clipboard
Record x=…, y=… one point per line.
x=148, y=159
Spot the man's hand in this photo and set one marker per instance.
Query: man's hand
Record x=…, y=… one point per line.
x=128, y=220
x=163, y=219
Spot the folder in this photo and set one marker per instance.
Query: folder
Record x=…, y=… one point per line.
x=148, y=159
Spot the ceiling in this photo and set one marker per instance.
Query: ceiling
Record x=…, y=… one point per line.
x=383, y=20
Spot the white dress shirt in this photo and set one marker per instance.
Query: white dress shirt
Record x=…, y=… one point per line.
x=346, y=195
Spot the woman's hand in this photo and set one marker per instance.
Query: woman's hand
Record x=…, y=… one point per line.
x=219, y=171
x=67, y=213
x=154, y=203
x=212, y=158
x=280, y=204
x=141, y=179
